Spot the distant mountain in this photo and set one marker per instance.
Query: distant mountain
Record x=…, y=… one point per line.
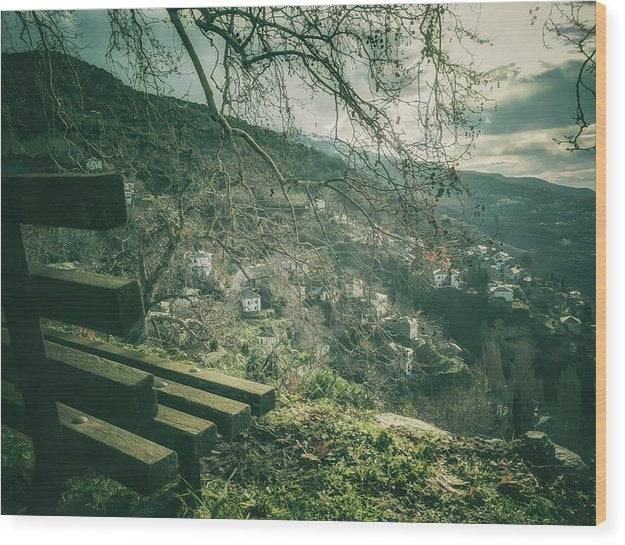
x=555, y=224
x=103, y=109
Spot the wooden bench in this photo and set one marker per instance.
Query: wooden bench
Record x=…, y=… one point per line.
x=139, y=419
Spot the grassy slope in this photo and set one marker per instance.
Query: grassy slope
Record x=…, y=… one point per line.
x=109, y=112
x=317, y=460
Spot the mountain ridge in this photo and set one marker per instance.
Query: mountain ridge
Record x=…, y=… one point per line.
x=551, y=214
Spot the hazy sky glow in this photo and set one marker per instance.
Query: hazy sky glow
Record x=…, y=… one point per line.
x=534, y=102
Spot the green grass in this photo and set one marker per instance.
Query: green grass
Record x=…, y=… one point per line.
x=319, y=460
x=320, y=455
x=326, y=383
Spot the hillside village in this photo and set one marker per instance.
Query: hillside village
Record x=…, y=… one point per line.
x=270, y=298
x=507, y=281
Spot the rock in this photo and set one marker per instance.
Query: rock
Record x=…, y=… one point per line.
x=491, y=442
x=569, y=460
x=64, y=266
x=537, y=448
x=391, y=420
x=546, y=424
x=541, y=452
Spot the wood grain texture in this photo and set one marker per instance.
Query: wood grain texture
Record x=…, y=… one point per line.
x=260, y=397
x=190, y=437
x=81, y=201
x=89, y=442
x=232, y=417
x=96, y=301
x=600, y=303
x=103, y=388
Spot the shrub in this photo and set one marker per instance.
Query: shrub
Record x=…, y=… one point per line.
x=325, y=383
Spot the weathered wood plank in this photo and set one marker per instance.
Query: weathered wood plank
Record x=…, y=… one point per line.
x=24, y=323
x=90, y=442
x=260, y=397
x=106, y=389
x=184, y=433
x=231, y=416
x=101, y=302
x=190, y=437
x=80, y=201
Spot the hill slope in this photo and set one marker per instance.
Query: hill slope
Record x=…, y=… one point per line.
x=315, y=460
x=555, y=224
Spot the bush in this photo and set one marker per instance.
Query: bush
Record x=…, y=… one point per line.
x=325, y=383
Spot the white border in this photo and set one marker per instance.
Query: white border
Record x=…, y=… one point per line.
x=92, y=531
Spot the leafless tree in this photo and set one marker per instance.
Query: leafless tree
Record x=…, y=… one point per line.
x=407, y=105
x=574, y=24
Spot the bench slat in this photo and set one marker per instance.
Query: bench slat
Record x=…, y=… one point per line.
x=189, y=436
x=137, y=462
x=231, y=416
x=81, y=201
x=260, y=397
x=106, y=389
x=96, y=301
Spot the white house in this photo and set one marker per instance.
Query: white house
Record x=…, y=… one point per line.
x=380, y=304
x=502, y=292
x=573, y=324
x=454, y=279
x=250, y=301
x=94, y=164
x=441, y=278
x=268, y=340
x=444, y=278
x=201, y=264
x=481, y=249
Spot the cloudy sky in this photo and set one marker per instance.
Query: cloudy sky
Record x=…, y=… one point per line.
x=533, y=103
x=535, y=100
